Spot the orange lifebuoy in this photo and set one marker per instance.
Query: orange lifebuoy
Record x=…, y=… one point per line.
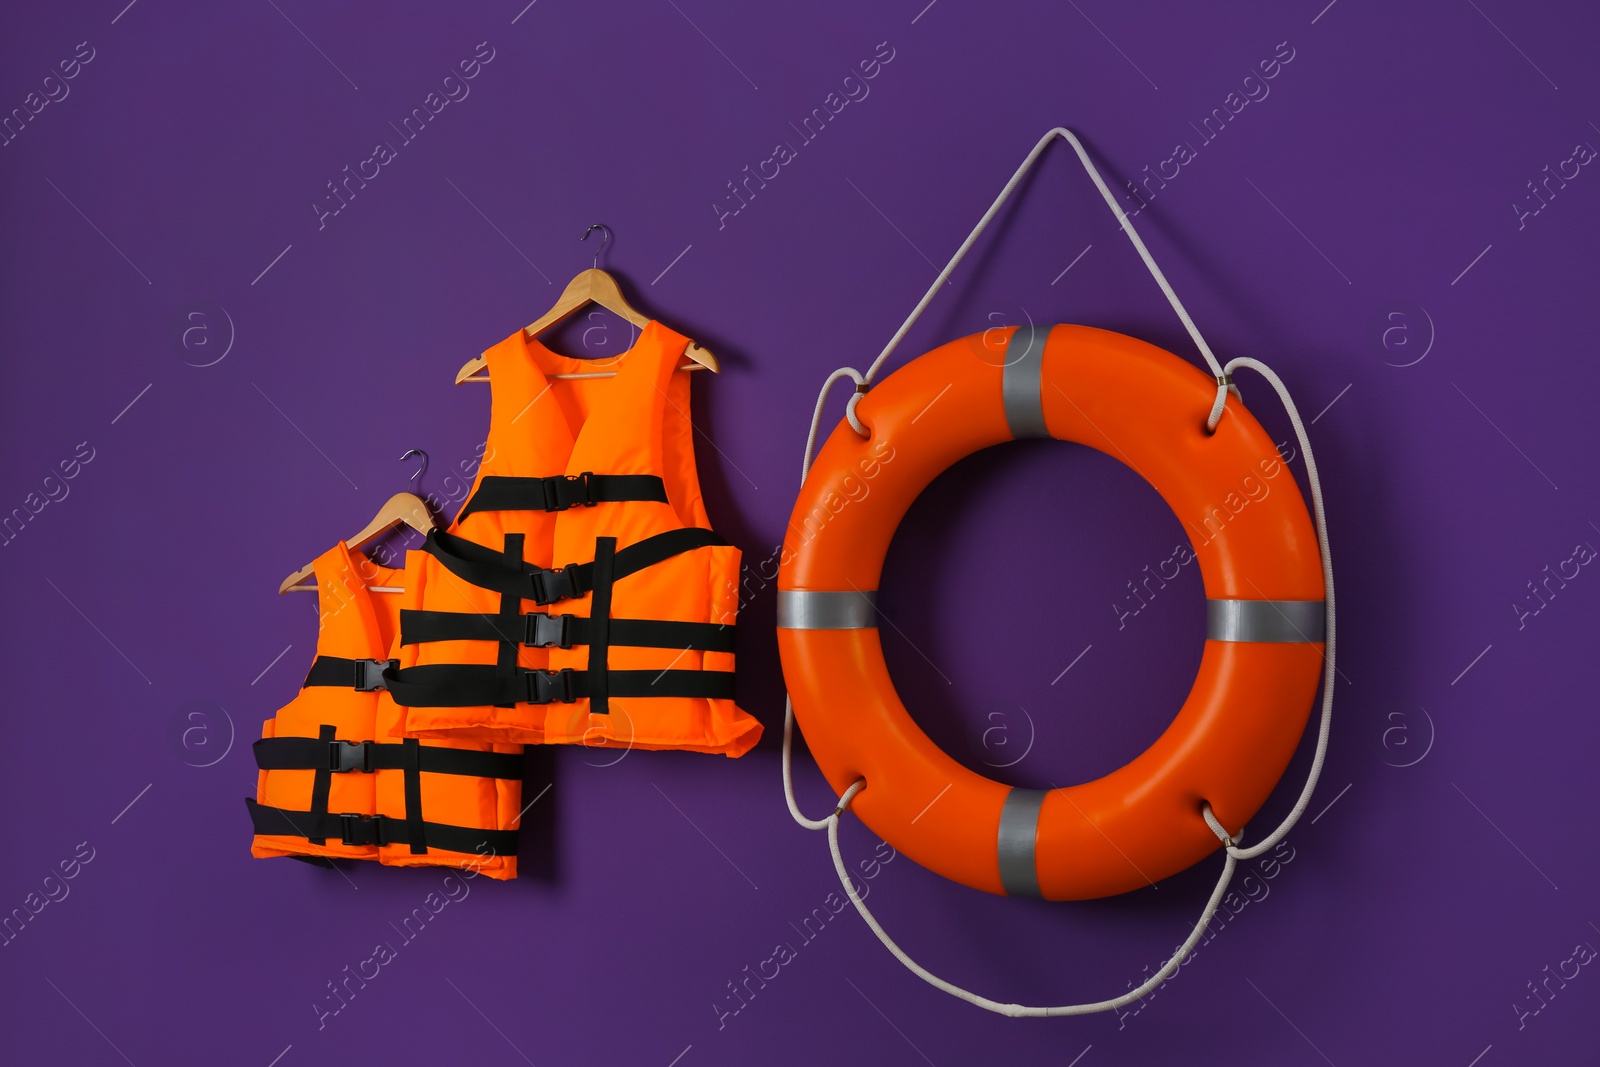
x=1239, y=727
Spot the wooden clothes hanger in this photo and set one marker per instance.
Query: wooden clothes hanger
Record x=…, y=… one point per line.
x=591, y=286
x=402, y=508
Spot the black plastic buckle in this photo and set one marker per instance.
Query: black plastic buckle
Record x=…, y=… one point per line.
x=548, y=631
x=586, y=484
x=357, y=829
x=549, y=687
x=559, y=497
x=346, y=756
x=561, y=583
x=369, y=673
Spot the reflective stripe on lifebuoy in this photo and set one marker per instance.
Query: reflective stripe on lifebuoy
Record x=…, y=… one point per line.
x=1257, y=555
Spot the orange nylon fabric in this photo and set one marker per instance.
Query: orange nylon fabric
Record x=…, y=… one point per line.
x=355, y=623
x=636, y=422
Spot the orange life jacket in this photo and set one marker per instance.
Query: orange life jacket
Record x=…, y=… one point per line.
x=588, y=507
x=337, y=781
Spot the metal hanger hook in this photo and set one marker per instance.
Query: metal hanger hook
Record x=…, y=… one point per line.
x=605, y=239
x=420, y=470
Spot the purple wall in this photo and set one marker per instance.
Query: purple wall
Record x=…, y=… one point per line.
x=230, y=371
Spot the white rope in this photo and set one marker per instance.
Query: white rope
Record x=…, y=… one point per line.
x=816, y=414
x=788, y=778
x=1223, y=384
x=1021, y=1010
x=831, y=824
x=1233, y=853
x=1321, y=519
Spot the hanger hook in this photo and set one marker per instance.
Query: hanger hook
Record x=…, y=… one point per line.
x=605, y=239
x=420, y=470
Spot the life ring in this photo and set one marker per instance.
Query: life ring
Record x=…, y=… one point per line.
x=1259, y=561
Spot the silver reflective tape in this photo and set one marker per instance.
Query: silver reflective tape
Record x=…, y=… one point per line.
x=806, y=609
x=1022, y=382
x=1264, y=620
x=1019, y=825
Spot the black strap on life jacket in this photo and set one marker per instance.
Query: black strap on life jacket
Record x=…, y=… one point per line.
x=505, y=683
x=326, y=756
x=365, y=757
x=458, y=685
x=562, y=491
x=363, y=675
x=411, y=781
x=356, y=829
x=510, y=606
x=597, y=675
x=321, y=781
x=539, y=630
x=487, y=568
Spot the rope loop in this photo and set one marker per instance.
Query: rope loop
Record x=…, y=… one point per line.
x=1216, y=406
x=1212, y=821
x=1123, y=220
x=816, y=413
x=850, y=409
x=849, y=794
x=1224, y=387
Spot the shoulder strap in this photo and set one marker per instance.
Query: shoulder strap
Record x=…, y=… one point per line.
x=622, y=434
x=525, y=420
x=347, y=623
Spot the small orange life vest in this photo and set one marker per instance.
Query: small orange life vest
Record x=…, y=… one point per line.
x=337, y=781
x=587, y=506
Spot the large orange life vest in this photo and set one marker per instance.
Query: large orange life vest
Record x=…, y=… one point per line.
x=337, y=781
x=587, y=509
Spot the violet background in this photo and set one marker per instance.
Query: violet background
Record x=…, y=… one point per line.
x=1457, y=863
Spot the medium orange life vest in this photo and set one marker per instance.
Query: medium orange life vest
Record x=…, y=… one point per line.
x=587, y=506
x=337, y=781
